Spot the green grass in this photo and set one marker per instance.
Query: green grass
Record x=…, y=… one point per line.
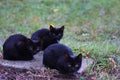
x=90, y=25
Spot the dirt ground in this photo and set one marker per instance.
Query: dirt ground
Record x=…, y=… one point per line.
x=7, y=73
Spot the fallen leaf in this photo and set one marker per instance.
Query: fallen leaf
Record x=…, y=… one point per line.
x=55, y=10
x=35, y=19
x=92, y=77
x=112, y=62
x=102, y=72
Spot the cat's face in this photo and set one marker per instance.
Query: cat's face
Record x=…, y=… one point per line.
x=57, y=33
x=69, y=64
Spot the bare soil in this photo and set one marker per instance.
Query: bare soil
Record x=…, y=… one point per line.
x=7, y=73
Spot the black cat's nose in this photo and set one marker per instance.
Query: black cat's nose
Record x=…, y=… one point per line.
x=72, y=70
x=58, y=38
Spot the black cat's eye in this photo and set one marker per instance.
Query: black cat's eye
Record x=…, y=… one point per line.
x=76, y=65
x=59, y=34
x=69, y=65
x=30, y=48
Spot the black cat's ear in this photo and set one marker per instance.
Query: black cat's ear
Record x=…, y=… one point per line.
x=51, y=26
x=67, y=56
x=20, y=43
x=79, y=58
x=62, y=27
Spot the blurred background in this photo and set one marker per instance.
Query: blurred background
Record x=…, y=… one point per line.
x=92, y=27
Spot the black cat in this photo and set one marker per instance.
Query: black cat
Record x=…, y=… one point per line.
x=60, y=57
x=45, y=37
x=18, y=47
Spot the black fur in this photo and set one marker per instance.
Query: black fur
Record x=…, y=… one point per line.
x=18, y=47
x=60, y=57
x=45, y=37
